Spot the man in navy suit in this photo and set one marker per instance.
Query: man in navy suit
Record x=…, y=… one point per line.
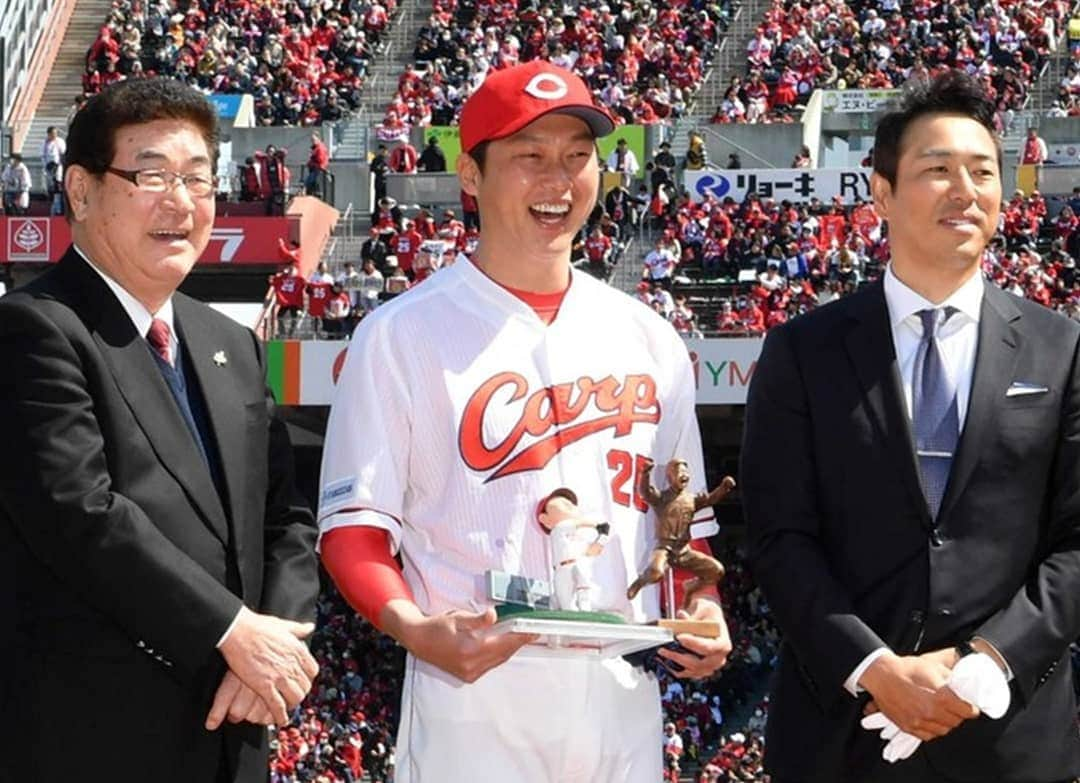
x=928, y=507
x=161, y=561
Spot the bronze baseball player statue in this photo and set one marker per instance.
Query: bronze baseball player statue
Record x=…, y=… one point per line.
x=675, y=508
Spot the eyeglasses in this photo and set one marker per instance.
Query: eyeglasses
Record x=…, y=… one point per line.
x=163, y=180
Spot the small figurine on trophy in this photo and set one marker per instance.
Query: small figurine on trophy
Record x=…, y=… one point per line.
x=675, y=508
x=575, y=543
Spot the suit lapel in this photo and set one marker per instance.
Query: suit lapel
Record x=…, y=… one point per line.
x=140, y=384
x=223, y=405
x=995, y=359
x=873, y=356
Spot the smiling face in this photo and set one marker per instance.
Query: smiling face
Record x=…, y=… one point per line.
x=536, y=191
x=943, y=209
x=147, y=242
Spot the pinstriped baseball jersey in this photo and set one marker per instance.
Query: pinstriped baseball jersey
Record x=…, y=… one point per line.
x=458, y=409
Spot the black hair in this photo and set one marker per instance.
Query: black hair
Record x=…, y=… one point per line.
x=91, y=141
x=479, y=154
x=951, y=92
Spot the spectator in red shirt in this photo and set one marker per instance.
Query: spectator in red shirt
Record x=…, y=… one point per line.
x=317, y=167
x=318, y=297
x=451, y=230
x=403, y=158
x=1065, y=223
x=404, y=246
x=105, y=49
x=866, y=221
x=727, y=320
x=337, y=317
x=274, y=178
x=751, y=316
x=1034, y=151
x=598, y=248
x=288, y=289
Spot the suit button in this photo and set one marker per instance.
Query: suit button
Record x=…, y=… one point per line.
x=935, y=538
x=140, y=644
x=945, y=612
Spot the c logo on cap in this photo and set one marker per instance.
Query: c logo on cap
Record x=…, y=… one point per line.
x=536, y=87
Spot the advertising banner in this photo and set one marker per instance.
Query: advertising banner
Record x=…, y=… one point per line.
x=305, y=373
x=247, y=240
x=855, y=101
x=723, y=368
x=797, y=185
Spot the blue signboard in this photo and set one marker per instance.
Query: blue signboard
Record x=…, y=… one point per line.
x=228, y=106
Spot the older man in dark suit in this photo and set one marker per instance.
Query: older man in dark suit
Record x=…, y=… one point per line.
x=928, y=506
x=163, y=565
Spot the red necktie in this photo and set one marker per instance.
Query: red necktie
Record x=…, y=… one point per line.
x=159, y=339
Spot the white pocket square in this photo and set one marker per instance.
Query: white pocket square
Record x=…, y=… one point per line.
x=1020, y=389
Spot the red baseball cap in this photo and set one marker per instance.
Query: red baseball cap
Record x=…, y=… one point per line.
x=510, y=99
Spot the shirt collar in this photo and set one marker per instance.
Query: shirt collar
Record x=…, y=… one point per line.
x=903, y=302
x=137, y=312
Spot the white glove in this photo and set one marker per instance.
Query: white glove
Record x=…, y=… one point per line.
x=976, y=679
x=898, y=744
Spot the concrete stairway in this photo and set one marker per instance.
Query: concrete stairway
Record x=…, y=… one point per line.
x=1046, y=88
x=383, y=74
x=729, y=61
x=387, y=68
x=65, y=79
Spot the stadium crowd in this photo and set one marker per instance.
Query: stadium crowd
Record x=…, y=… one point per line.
x=345, y=728
x=752, y=265
x=880, y=44
x=304, y=63
x=643, y=60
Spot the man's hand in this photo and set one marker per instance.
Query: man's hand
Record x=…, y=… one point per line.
x=237, y=702
x=458, y=642
x=705, y=655
x=267, y=656
x=911, y=691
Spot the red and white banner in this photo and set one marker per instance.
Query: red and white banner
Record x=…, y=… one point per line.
x=246, y=240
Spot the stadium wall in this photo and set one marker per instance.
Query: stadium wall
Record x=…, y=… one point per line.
x=759, y=146
x=304, y=373
x=30, y=35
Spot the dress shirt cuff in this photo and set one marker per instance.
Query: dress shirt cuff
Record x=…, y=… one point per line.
x=851, y=684
x=228, y=630
x=997, y=652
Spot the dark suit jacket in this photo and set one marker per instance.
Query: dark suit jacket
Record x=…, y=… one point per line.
x=128, y=565
x=846, y=553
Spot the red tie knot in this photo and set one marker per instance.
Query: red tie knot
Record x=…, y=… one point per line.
x=159, y=338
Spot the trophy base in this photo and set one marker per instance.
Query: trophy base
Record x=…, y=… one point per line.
x=570, y=636
x=705, y=628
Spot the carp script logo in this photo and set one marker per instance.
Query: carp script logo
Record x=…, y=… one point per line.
x=556, y=416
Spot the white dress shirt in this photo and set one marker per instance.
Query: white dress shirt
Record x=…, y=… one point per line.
x=136, y=310
x=958, y=340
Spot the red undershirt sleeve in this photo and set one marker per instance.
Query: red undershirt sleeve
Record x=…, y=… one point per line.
x=366, y=574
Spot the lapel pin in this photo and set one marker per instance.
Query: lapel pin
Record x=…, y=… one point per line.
x=219, y=359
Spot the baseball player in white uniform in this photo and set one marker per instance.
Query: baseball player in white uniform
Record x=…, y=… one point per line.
x=463, y=403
